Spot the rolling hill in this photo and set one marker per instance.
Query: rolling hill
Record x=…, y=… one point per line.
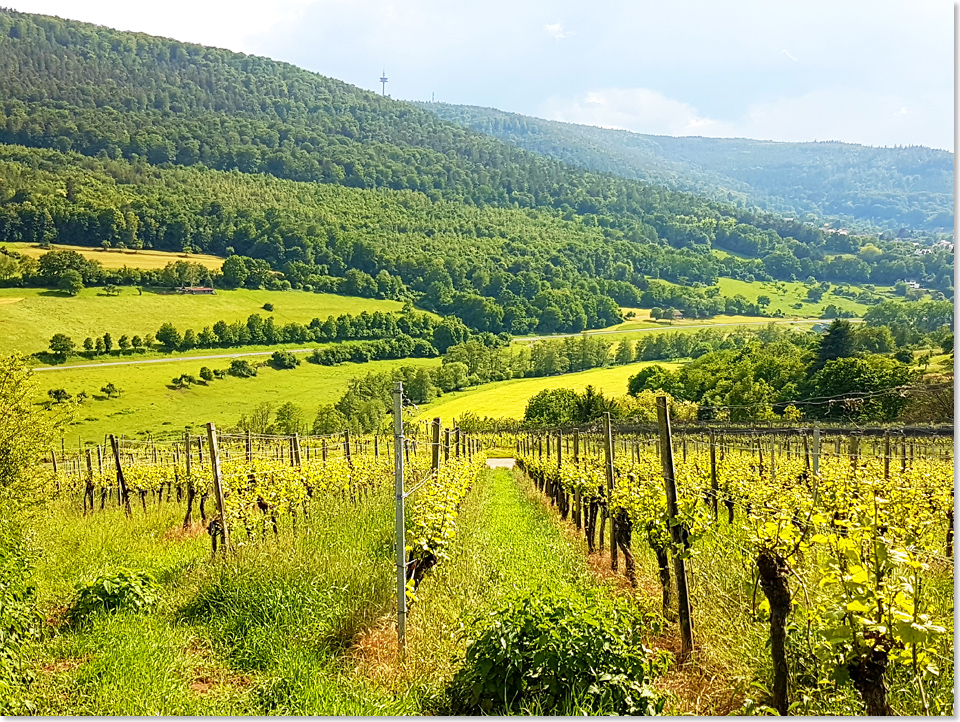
x=881, y=189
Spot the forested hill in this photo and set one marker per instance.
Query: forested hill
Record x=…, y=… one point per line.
x=883, y=188
x=150, y=142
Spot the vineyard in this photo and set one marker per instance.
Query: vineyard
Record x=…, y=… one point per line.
x=820, y=556
x=835, y=546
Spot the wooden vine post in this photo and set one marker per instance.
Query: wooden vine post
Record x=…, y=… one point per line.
x=121, y=481
x=346, y=448
x=608, y=464
x=399, y=520
x=446, y=445
x=218, y=484
x=714, y=484
x=676, y=531
x=577, y=498
x=435, y=447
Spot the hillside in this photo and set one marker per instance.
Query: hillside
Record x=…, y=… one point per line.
x=146, y=142
x=881, y=188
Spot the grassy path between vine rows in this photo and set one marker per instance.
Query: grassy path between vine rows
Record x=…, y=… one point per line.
x=506, y=545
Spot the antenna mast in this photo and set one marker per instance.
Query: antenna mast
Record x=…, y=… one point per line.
x=383, y=82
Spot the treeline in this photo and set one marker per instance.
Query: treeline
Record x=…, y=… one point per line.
x=407, y=334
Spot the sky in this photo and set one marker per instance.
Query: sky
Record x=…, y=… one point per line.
x=876, y=72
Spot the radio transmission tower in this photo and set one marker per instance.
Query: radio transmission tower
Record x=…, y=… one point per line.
x=383, y=82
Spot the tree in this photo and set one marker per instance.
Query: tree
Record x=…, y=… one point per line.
x=9, y=268
x=169, y=337
x=421, y=388
x=858, y=384
x=763, y=301
x=88, y=344
x=137, y=343
x=234, y=271
x=107, y=342
x=289, y=419
x=124, y=343
x=946, y=345
x=206, y=374
x=110, y=390
x=111, y=289
x=624, y=353
x=71, y=283
x=98, y=345
x=329, y=420
x=259, y=421
x=839, y=341
x=62, y=345
x=58, y=395
x=551, y=407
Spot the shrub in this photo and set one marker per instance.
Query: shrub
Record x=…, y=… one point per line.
x=206, y=374
x=242, y=368
x=121, y=589
x=553, y=650
x=268, y=307
x=284, y=360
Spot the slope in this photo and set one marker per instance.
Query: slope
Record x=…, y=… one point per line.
x=879, y=188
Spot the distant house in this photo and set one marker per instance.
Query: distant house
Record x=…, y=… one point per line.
x=196, y=290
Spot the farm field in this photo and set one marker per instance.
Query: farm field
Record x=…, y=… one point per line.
x=115, y=258
x=509, y=398
x=149, y=403
x=30, y=316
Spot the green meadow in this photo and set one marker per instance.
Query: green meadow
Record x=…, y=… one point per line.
x=509, y=398
x=149, y=403
x=30, y=316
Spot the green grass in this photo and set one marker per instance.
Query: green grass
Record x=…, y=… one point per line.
x=149, y=403
x=509, y=398
x=795, y=292
x=259, y=634
x=506, y=543
x=30, y=316
x=273, y=629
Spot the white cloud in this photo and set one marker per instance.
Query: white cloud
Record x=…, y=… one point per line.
x=839, y=113
x=638, y=109
x=556, y=31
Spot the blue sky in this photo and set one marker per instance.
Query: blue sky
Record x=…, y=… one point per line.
x=878, y=72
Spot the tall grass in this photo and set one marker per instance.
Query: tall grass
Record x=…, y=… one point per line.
x=259, y=632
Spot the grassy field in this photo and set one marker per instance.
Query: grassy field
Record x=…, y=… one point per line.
x=115, y=258
x=796, y=292
x=509, y=398
x=150, y=403
x=298, y=625
x=30, y=316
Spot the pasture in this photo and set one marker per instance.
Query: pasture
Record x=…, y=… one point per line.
x=149, y=403
x=30, y=316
